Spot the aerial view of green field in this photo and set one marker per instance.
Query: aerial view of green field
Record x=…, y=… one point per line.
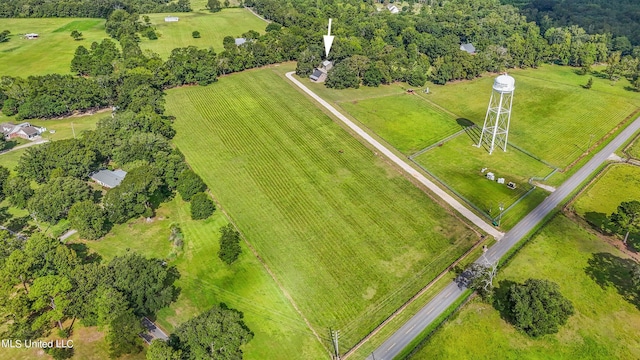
x=52, y=51
x=280, y=333
x=348, y=237
x=603, y=326
x=213, y=27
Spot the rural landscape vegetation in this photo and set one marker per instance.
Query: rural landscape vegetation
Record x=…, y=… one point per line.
x=175, y=185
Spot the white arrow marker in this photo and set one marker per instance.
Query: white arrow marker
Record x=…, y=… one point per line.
x=328, y=41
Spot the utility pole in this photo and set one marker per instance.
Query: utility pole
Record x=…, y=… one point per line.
x=501, y=208
x=335, y=335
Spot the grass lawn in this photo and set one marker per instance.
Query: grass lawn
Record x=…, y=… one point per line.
x=348, y=237
x=52, y=51
x=213, y=27
x=406, y=121
x=617, y=184
x=88, y=344
x=205, y=281
x=634, y=150
x=553, y=116
x=458, y=163
x=65, y=128
x=10, y=159
x=604, y=325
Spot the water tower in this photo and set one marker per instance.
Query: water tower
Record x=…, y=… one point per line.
x=496, y=123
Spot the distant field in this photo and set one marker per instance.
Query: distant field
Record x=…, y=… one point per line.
x=205, y=281
x=348, y=237
x=619, y=183
x=406, y=121
x=604, y=326
x=459, y=164
x=213, y=27
x=52, y=51
x=553, y=116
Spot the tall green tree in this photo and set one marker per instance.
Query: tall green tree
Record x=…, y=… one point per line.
x=215, y=334
x=201, y=206
x=50, y=295
x=189, y=184
x=229, y=244
x=537, y=307
x=52, y=201
x=89, y=219
x=214, y=5
x=627, y=217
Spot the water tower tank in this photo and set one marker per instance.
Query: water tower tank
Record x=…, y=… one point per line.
x=504, y=83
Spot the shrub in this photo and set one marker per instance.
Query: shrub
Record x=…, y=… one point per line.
x=195, y=34
x=229, y=244
x=201, y=206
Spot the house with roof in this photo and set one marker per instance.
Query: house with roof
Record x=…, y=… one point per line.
x=23, y=130
x=393, y=9
x=240, y=41
x=108, y=178
x=320, y=73
x=171, y=19
x=31, y=36
x=469, y=48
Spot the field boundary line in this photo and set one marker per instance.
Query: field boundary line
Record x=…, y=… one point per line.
x=471, y=216
x=268, y=269
x=257, y=15
x=442, y=109
x=442, y=141
x=412, y=299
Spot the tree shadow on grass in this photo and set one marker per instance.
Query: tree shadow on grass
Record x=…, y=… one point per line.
x=83, y=253
x=609, y=270
x=501, y=299
x=17, y=224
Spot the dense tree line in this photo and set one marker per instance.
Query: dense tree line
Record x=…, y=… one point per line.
x=618, y=17
x=45, y=282
x=86, y=8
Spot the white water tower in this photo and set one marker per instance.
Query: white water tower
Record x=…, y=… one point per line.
x=496, y=123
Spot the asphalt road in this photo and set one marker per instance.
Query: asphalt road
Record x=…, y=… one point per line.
x=412, y=328
x=471, y=216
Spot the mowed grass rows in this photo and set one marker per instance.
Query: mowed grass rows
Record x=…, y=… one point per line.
x=406, y=120
x=348, y=237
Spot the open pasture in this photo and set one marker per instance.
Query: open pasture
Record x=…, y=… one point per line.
x=406, y=121
x=591, y=274
x=213, y=27
x=553, y=117
x=52, y=51
x=348, y=237
x=279, y=332
x=618, y=183
x=459, y=164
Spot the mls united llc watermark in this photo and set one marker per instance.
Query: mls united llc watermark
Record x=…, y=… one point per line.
x=39, y=344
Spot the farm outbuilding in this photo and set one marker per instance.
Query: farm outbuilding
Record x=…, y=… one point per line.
x=31, y=36
x=469, y=48
x=393, y=9
x=240, y=41
x=108, y=178
x=171, y=19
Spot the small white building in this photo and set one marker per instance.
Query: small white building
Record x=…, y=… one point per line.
x=31, y=36
x=108, y=178
x=171, y=19
x=393, y=9
x=491, y=176
x=240, y=41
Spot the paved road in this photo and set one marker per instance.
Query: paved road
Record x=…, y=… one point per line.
x=412, y=328
x=36, y=142
x=475, y=219
x=152, y=331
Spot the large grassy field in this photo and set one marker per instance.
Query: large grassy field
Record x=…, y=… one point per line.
x=406, y=121
x=348, y=237
x=591, y=273
x=553, y=117
x=204, y=281
x=618, y=183
x=52, y=51
x=213, y=27
x=459, y=164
